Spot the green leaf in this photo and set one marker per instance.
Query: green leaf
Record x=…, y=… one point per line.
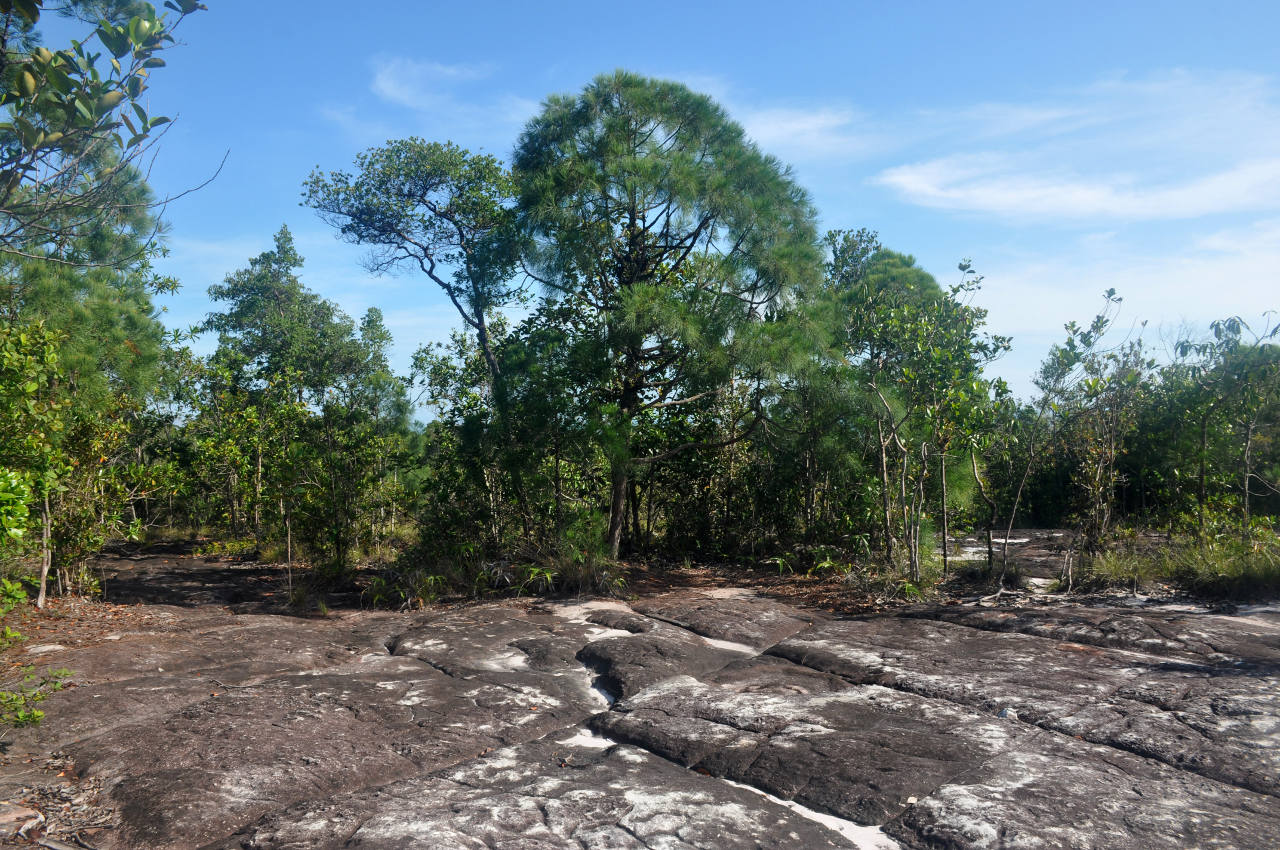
x=139, y=30
x=110, y=101
x=27, y=132
x=58, y=79
x=26, y=83
x=114, y=40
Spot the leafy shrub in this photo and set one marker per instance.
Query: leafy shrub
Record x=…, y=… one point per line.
x=18, y=699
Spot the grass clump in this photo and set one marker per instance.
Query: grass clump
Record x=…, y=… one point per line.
x=1224, y=567
x=1124, y=568
x=1227, y=569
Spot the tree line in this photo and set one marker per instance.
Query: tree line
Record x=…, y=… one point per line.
x=659, y=357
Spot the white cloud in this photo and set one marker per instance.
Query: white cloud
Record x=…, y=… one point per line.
x=419, y=85
x=1231, y=272
x=444, y=101
x=794, y=133
x=1172, y=146
x=806, y=134
x=1001, y=185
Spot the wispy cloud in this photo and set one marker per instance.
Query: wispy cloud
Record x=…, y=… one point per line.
x=998, y=184
x=363, y=130
x=804, y=132
x=1229, y=272
x=420, y=85
x=1172, y=146
x=1167, y=293
x=435, y=100
x=823, y=132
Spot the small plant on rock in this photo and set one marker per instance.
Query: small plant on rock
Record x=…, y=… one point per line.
x=18, y=700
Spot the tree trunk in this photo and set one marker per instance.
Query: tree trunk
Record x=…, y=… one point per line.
x=946, y=528
x=395, y=489
x=288, y=549
x=810, y=484
x=46, y=550
x=617, y=505
x=1013, y=510
x=1248, y=476
x=233, y=486
x=257, y=497
x=633, y=499
x=906, y=508
x=991, y=504
x=619, y=463
x=648, y=518
x=887, y=529
x=559, y=488
x=1200, y=495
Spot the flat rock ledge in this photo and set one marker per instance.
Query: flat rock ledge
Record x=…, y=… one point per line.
x=714, y=719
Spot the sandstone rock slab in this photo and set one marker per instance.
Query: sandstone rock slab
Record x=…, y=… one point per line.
x=564, y=791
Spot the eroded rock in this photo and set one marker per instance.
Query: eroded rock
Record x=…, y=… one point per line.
x=859, y=752
x=1193, y=635
x=961, y=727
x=743, y=619
x=1221, y=723
x=571, y=792
x=1063, y=793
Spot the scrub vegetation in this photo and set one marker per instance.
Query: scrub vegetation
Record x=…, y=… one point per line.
x=659, y=359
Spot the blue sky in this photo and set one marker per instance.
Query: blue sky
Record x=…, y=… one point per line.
x=1065, y=148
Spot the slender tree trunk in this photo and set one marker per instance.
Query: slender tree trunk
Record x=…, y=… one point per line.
x=257, y=497
x=887, y=528
x=648, y=518
x=917, y=515
x=810, y=484
x=1248, y=476
x=46, y=549
x=288, y=547
x=497, y=384
x=991, y=505
x=559, y=488
x=728, y=492
x=909, y=529
x=1200, y=494
x=233, y=482
x=491, y=488
x=1013, y=510
x=946, y=528
x=633, y=499
x=619, y=463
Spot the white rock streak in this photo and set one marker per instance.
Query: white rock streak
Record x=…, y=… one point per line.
x=862, y=837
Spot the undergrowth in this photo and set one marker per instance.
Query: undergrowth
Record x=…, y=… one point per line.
x=26, y=689
x=1226, y=567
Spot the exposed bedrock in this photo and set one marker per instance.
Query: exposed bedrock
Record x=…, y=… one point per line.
x=1219, y=720
x=688, y=720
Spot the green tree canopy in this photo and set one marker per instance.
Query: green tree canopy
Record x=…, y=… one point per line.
x=648, y=206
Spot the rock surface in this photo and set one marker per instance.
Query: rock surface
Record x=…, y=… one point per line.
x=692, y=719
